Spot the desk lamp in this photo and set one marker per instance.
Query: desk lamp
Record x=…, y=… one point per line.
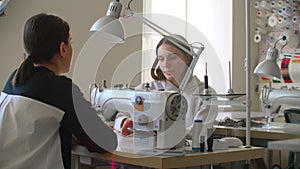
x=109, y=27
x=269, y=67
x=3, y=5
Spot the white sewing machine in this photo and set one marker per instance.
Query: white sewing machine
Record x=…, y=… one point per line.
x=272, y=99
x=158, y=116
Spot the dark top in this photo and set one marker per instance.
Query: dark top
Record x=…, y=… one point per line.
x=58, y=91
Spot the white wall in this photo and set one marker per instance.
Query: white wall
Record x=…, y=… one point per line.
x=214, y=21
x=80, y=15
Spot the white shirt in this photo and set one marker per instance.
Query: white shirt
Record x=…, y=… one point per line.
x=196, y=108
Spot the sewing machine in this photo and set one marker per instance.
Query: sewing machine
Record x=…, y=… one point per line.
x=272, y=99
x=158, y=116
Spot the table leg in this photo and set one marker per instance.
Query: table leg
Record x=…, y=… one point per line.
x=297, y=160
x=259, y=163
x=77, y=164
x=270, y=158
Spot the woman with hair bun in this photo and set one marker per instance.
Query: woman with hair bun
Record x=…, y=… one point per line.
x=168, y=71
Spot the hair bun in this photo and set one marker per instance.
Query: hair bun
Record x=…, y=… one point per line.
x=179, y=39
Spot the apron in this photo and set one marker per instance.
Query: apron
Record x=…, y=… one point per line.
x=29, y=134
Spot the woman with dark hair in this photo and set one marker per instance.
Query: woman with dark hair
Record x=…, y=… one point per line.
x=48, y=55
x=168, y=71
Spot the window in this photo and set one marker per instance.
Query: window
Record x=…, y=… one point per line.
x=213, y=19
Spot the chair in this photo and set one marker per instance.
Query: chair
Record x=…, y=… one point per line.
x=29, y=134
x=292, y=115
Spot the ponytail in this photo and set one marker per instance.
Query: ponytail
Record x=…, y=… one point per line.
x=42, y=36
x=24, y=72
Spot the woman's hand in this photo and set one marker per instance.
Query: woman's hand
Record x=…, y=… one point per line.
x=127, y=123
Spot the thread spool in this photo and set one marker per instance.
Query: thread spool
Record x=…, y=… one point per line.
x=273, y=4
x=197, y=127
x=265, y=5
x=279, y=4
x=296, y=20
x=257, y=38
x=295, y=11
x=272, y=21
x=259, y=14
x=257, y=5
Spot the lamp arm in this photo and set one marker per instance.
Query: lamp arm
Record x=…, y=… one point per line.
x=191, y=68
x=164, y=32
x=147, y=22
x=155, y=27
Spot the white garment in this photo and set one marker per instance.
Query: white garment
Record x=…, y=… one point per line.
x=196, y=109
x=29, y=134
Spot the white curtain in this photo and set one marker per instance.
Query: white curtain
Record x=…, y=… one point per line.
x=213, y=20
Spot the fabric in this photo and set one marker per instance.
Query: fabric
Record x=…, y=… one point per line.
x=196, y=110
x=60, y=92
x=34, y=125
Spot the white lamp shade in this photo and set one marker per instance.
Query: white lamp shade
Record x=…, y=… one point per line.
x=268, y=69
x=109, y=28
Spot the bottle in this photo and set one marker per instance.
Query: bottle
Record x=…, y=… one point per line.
x=210, y=140
x=196, y=135
x=202, y=143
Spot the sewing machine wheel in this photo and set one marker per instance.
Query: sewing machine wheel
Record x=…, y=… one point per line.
x=176, y=106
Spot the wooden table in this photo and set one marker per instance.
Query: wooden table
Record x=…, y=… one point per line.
x=292, y=145
x=126, y=154
x=277, y=131
x=261, y=136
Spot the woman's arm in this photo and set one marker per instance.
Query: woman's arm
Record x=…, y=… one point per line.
x=87, y=123
x=122, y=123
